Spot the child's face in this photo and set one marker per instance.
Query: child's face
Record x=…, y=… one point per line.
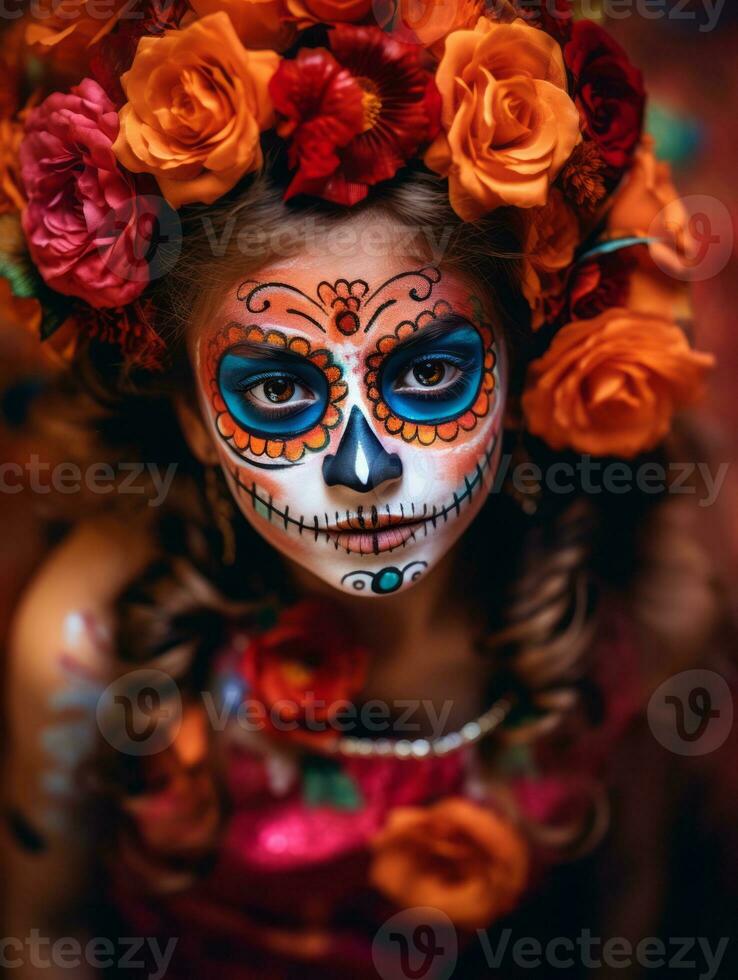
x=356, y=412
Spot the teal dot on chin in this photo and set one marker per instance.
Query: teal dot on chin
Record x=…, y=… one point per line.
x=388, y=580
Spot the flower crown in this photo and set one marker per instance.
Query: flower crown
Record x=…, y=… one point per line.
x=528, y=109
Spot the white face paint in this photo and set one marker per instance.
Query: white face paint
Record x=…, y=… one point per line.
x=357, y=419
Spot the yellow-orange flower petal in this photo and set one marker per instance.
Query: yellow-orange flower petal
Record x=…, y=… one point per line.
x=508, y=123
x=197, y=103
x=611, y=385
x=455, y=856
x=258, y=23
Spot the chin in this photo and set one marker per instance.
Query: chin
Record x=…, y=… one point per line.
x=392, y=556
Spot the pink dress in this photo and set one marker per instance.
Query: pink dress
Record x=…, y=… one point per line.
x=289, y=892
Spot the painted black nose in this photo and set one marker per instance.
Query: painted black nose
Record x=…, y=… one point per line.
x=361, y=462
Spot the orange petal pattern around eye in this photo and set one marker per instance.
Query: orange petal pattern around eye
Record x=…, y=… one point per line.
x=426, y=434
x=242, y=441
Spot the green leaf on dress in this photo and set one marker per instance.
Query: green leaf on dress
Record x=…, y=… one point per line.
x=324, y=783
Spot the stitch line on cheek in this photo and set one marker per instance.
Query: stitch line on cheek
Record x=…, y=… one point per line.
x=264, y=506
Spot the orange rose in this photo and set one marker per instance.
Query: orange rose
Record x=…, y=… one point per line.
x=258, y=23
x=508, y=123
x=611, y=385
x=552, y=237
x=652, y=291
x=429, y=22
x=61, y=31
x=307, y=12
x=648, y=204
x=11, y=193
x=197, y=103
x=455, y=856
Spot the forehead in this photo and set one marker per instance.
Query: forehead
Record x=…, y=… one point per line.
x=348, y=299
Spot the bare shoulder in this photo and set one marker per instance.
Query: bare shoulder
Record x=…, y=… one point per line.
x=60, y=653
x=69, y=603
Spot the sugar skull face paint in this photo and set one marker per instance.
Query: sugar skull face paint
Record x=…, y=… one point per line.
x=273, y=394
x=357, y=420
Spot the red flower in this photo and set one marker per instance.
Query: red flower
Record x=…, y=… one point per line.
x=599, y=285
x=355, y=114
x=555, y=17
x=131, y=328
x=304, y=668
x=85, y=223
x=609, y=91
x=113, y=54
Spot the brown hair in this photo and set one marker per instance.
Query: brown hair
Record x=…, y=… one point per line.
x=542, y=603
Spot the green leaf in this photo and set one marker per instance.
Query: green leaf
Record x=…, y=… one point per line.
x=324, y=783
x=25, y=280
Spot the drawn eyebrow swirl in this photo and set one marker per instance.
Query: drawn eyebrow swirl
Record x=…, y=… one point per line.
x=249, y=296
x=380, y=309
x=429, y=275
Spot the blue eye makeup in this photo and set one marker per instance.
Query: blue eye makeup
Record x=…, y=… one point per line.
x=436, y=380
x=274, y=397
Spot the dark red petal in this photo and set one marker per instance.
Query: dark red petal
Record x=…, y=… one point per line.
x=313, y=84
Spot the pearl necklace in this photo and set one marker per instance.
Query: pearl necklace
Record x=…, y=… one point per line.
x=421, y=748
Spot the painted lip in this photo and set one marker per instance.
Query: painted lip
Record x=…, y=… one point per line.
x=375, y=540
x=372, y=520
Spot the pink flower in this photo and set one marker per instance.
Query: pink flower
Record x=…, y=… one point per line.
x=87, y=230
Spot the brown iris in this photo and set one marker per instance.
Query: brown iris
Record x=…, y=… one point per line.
x=279, y=390
x=428, y=373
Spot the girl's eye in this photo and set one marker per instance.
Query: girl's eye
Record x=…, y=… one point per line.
x=435, y=374
x=277, y=399
x=279, y=392
x=437, y=382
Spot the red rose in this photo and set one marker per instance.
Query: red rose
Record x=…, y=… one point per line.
x=600, y=284
x=354, y=114
x=84, y=223
x=304, y=668
x=555, y=17
x=608, y=90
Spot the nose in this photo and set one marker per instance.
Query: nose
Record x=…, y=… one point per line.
x=361, y=462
